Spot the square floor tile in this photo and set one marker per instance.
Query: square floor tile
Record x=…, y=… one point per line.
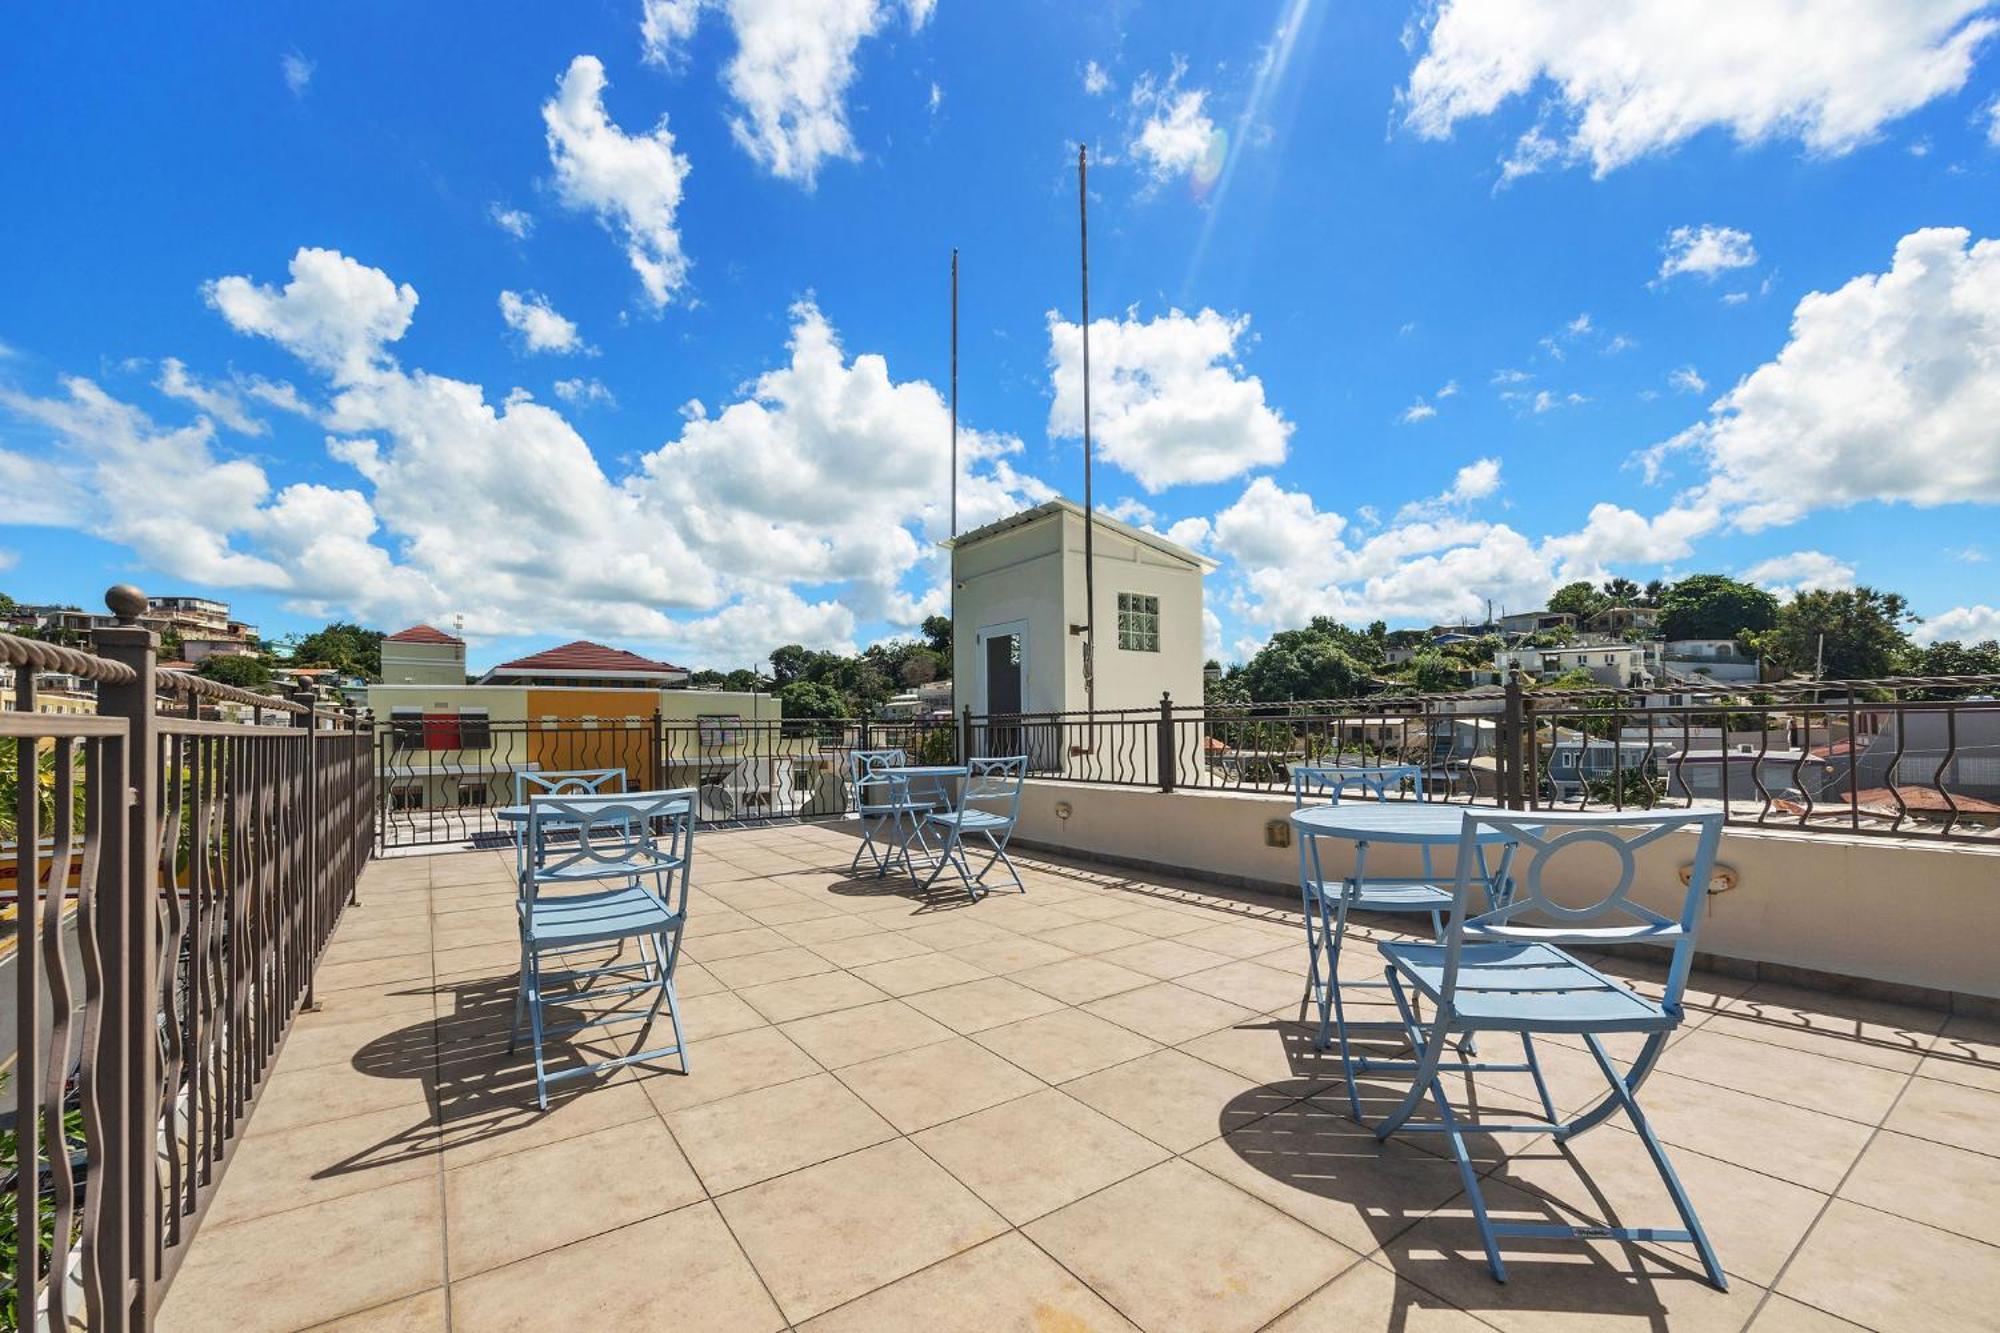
x=1064, y=1044
x=782, y=1001
x=1164, y=959
x=1278, y=1054
x=1033, y=1155
x=1092, y=937
x=1820, y=1082
x=1251, y=984
x=848, y=1036
x=875, y=946
x=1369, y=1296
x=989, y=1002
x=1168, y=1013
x=1950, y=1113
x=681, y=1270
x=1174, y=1099
x=1960, y=1190
x=368, y=1249
x=1561, y=1283
x=724, y=1066
x=757, y=969
x=1175, y=1248
x=1885, y=1272
x=918, y=973
x=1332, y=1174
x=1012, y=953
x=1079, y=980
x=756, y=1135
x=507, y=1208
x=928, y=1085
x=903, y=1210
x=1003, y=1286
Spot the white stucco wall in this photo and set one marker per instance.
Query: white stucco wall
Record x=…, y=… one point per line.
x=1902, y=911
x=1035, y=574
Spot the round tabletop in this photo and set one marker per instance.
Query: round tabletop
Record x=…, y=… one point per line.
x=1394, y=821
x=926, y=770
x=518, y=814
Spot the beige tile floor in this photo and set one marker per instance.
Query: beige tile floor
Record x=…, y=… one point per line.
x=1089, y=1107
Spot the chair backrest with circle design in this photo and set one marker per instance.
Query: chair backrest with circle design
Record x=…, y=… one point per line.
x=1533, y=914
x=534, y=784
x=628, y=836
x=994, y=786
x=870, y=783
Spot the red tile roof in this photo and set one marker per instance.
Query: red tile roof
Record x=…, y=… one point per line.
x=585, y=657
x=423, y=634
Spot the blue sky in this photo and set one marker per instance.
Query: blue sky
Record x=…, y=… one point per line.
x=629, y=319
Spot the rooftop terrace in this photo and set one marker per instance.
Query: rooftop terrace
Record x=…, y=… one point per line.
x=1089, y=1107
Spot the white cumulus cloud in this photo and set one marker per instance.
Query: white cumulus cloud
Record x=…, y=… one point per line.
x=1966, y=624
x=1801, y=571
x=1705, y=251
x=541, y=328
x=1170, y=403
x=742, y=530
x=791, y=74
x=1096, y=79
x=1888, y=389
x=1172, y=131
x=1626, y=80
x=632, y=183
x=515, y=222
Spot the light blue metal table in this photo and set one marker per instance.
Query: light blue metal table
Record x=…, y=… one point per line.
x=1424, y=825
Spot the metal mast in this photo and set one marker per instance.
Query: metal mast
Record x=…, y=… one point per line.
x=1089, y=510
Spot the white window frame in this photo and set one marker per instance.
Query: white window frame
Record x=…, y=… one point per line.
x=1133, y=637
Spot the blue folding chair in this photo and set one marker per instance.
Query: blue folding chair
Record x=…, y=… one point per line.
x=884, y=803
x=631, y=853
x=1508, y=969
x=988, y=806
x=532, y=783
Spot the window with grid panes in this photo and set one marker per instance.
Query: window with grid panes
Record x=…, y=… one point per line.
x=1138, y=622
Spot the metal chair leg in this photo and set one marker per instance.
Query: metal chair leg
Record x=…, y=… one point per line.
x=1682, y=1205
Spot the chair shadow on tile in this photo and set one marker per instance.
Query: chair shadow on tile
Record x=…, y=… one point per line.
x=475, y=1088
x=1404, y=1199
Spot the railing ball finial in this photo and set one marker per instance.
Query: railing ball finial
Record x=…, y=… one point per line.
x=126, y=602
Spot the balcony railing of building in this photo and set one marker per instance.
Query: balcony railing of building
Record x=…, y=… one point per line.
x=172, y=881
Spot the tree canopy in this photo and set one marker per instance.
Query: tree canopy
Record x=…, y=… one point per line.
x=242, y=671
x=1715, y=606
x=1325, y=660
x=1842, y=633
x=346, y=647
x=1580, y=599
x=811, y=698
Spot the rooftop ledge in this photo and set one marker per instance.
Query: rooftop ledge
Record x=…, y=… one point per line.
x=1908, y=919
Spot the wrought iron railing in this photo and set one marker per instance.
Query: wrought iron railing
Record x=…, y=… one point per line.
x=444, y=782
x=172, y=881
x=1911, y=756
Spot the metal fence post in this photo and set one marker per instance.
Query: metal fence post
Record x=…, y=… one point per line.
x=965, y=736
x=127, y=1072
x=1164, y=754
x=658, y=768
x=313, y=869
x=1513, y=739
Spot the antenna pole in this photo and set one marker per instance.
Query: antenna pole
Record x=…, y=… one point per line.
x=1089, y=510
x=951, y=572
x=954, y=391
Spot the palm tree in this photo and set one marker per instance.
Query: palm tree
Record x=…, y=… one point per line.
x=1621, y=591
